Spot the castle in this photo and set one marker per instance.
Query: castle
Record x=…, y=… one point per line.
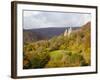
x=68, y=31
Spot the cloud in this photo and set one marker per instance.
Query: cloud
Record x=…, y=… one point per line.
x=30, y=13
x=41, y=19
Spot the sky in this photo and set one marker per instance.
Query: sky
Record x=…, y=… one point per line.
x=44, y=19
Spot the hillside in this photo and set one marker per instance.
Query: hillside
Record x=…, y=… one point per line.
x=60, y=51
x=31, y=35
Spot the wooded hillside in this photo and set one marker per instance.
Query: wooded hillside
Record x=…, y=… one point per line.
x=60, y=51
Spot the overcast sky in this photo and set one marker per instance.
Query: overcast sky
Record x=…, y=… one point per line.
x=43, y=19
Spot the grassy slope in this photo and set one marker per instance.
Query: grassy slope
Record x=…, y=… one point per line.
x=57, y=55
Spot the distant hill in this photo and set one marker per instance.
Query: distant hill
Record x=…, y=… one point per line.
x=31, y=35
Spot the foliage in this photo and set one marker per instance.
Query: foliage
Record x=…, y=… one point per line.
x=59, y=51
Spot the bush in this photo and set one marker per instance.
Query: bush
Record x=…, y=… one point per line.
x=39, y=60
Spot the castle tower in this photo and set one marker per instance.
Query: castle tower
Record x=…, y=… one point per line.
x=66, y=32
x=69, y=30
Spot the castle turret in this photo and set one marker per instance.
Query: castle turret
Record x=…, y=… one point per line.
x=68, y=31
